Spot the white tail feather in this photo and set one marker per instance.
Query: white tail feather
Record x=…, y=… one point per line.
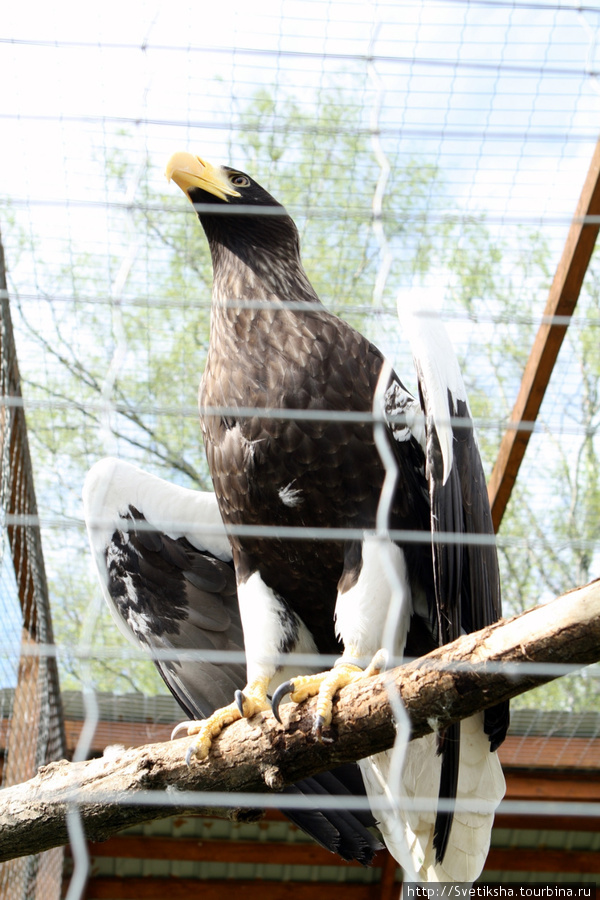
x=408, y=831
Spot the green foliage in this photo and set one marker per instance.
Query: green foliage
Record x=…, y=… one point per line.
x=115, y=368
x=322, y=165
x=546, y=548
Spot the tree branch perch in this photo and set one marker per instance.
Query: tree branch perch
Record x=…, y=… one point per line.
x=449, y=684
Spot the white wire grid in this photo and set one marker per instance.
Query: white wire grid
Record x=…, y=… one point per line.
x=445, y=142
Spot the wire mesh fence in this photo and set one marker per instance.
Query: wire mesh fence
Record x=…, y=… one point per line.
x=441, y=143
x=32, y=727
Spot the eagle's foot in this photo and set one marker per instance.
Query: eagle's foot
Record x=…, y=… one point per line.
x=325, y=685
x=251, y=700
x=206, y=730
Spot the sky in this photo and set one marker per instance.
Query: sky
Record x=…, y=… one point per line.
x=487, y=88
x=503, y=97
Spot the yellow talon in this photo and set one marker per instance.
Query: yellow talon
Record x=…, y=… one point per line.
x=325, y=685
x=208, y=729
x=251, y=700
x=333, y=681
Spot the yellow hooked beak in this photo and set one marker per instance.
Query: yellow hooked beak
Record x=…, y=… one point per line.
x=188, y=172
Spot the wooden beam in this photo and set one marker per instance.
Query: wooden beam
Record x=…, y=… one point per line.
x=37, y=683
x=562, y=300
x=25, y=540
x=21, y=757
x=549, y=822
x=518, y=859
x=526, y=821
x=527, y=785
x=543, y=752
x=22, y=750
x=20, y=499
x=128, y=734
x=192, y=849
x=389, y=887
x=109, y=888
x=542, y=859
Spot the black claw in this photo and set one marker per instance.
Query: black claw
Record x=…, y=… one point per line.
x=191, y=752
x=239, y=699
x=318, y=727
x=286, y=688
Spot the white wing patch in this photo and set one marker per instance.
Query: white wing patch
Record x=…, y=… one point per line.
x=269, y=626
x=112, y=485
x=361, y=612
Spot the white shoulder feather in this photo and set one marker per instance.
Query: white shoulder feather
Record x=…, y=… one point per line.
x=436, y=365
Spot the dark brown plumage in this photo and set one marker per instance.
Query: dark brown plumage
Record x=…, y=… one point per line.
x=285, y=354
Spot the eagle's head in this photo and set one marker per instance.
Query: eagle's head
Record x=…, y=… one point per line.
x=204, y=183
x=220, y=191
x=240, y=216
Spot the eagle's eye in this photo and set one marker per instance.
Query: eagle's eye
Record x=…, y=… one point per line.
x=239, y=180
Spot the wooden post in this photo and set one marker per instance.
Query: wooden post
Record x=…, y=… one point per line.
x=562, y=299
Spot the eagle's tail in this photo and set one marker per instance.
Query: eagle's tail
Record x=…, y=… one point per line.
x=408, y=829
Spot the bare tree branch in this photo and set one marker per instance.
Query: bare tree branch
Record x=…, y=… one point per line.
x=474, y=672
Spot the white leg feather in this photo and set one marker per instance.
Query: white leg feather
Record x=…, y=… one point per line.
x=361, y=612
x=268, y=625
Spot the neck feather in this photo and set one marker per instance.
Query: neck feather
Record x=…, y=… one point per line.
x=257, y=258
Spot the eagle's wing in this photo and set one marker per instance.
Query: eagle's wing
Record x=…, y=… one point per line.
x=467, y=597
x=167, y=592
x=467, y=578
x=165, y=569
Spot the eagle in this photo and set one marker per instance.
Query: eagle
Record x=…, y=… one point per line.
x=290, y=402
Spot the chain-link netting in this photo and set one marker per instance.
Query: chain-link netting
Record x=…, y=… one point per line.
x=32, y=727
x=439, y=143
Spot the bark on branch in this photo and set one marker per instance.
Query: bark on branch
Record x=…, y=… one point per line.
x=474, y=672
